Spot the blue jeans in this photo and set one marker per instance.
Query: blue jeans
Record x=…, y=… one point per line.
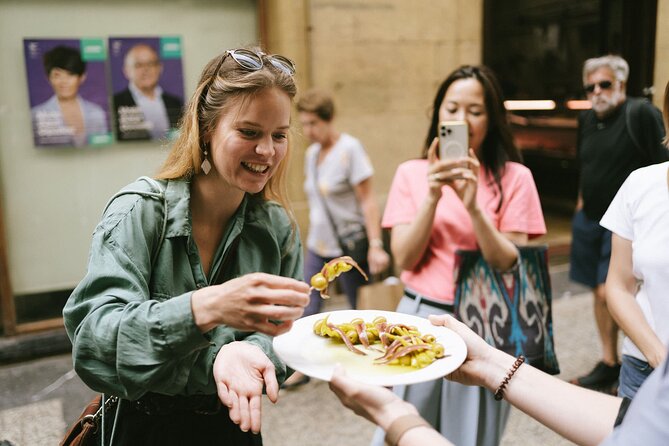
x=633, y=372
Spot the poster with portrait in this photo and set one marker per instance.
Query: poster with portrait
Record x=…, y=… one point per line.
x=67, y=87
x=147, y=85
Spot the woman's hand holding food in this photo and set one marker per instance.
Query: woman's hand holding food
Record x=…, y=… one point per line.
x=253, y=302
x=241, y=370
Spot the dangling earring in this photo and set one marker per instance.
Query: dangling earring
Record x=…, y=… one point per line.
x=206, y=165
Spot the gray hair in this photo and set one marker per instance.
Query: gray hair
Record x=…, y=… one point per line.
x=616, y=64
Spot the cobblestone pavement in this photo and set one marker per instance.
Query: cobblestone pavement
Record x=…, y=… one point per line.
x=38, y=399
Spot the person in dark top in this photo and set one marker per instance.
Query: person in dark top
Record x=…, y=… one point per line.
x=144, y=110
x=618, y=135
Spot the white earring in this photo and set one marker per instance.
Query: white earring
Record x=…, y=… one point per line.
x=206, y=165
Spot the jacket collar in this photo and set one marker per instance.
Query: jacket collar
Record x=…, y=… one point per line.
x=179, y=221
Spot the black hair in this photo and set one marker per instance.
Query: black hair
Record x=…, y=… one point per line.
x=498, y=146
x=66, y=58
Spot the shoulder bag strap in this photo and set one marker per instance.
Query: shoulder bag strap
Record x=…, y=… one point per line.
x=158, y=194
x=324, y=202
x=632, y=112
x=632, y=104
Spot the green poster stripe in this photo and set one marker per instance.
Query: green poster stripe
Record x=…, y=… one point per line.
x=170, y=47
x=93, y=49
x=101, y=139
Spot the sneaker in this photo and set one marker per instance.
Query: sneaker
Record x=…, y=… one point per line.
x=603, y=377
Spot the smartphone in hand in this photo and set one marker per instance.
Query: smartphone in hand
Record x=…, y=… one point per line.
x=453, y=139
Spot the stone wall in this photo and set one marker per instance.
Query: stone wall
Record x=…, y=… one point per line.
x=661, y=52
x=383, y=60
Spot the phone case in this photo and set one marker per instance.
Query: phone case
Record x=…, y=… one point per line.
x=453, y=139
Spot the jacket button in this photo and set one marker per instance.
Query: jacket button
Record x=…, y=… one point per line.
x=200, y=285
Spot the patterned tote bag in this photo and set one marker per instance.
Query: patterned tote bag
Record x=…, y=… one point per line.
x=511, y=310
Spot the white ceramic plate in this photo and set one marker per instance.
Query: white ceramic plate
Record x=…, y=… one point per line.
x=316, y=356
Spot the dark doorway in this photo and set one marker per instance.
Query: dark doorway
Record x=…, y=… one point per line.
x=537, y=48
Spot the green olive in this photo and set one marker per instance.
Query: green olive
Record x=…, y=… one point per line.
x=379, y=320
x=319, y=282
x=429, y=338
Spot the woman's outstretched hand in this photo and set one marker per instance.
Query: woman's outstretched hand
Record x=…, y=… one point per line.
x=254, y=302
x=241, y=370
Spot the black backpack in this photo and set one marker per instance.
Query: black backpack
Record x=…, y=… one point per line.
x=632, y=114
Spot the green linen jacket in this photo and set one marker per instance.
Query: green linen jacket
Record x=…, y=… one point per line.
x=130, y=321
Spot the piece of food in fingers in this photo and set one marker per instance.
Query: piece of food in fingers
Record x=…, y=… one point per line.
x=331, y=270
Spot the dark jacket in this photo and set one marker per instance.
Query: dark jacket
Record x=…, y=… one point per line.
x=173, y=105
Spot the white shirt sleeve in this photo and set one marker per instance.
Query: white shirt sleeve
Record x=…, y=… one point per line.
x=361, y=166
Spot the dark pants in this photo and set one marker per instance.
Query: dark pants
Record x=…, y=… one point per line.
x=349, y=282
x=135, y=427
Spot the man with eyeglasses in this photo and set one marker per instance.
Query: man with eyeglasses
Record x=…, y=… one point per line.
x=144, y=110
x=616, y=136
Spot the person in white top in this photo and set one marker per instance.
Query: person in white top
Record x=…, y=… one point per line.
x=638, y=277
x=338, y=184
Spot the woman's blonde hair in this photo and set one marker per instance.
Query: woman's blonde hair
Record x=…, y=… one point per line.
x=222, y=84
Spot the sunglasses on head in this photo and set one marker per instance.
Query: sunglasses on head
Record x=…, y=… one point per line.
x=252, y=61
x=603, y=85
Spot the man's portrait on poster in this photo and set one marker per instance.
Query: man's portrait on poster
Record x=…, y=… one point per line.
x=148, y=104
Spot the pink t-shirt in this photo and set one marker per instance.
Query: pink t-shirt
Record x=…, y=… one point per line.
x=452, y=228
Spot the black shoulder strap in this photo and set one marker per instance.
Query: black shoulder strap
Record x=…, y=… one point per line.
x=633, y=107
x=632, y=116
x=331, y=219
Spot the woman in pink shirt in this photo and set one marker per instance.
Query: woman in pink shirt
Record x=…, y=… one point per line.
x=488, y=201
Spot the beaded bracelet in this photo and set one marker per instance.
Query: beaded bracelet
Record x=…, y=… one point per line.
x=400, y=426
x=499, y=393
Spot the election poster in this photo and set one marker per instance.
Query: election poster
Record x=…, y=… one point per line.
x=147, y=85
x=68, y=94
